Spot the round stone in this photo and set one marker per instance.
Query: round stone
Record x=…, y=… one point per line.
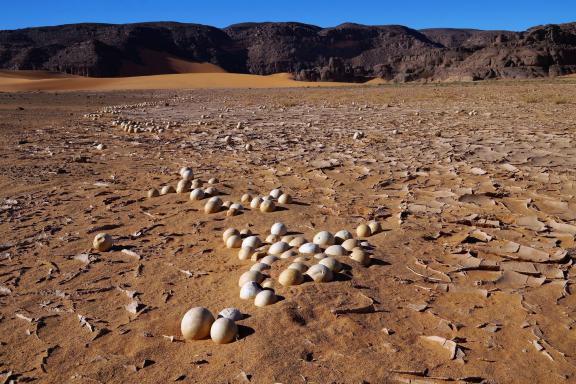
x=103, y=242
x=249, y=290
x=309, y=249
x=196, y=323
x=265, y=297
x=249, y=276
x=363, y=231
x=335, y=250
x=332, y=264
x=290, y=277
x=223, y=331
x=323, y=239
x=231, y=313
x=320, y=273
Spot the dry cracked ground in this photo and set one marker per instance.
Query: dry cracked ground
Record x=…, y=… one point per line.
x=471, y=276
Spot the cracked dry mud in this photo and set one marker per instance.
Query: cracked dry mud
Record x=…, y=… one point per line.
x=472, y=276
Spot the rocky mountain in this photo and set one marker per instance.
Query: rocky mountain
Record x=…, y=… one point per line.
x=348, y=52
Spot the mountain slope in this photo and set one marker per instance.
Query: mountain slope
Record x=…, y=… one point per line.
x=348, y=52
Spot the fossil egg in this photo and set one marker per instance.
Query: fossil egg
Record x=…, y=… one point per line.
x=363, y=231
x=245, y=253
x=350, y=244
x=278, y=229
x=265, y=297
x=197, y=194
x=233, y=241
x=246, y=198
x=231, y=313
x=260, y=267
x=309, y=248
x=360, y=256
x=102, y=242
x=271, y=239
x=285, y=199
x=213, y=205
x=230, y=232
x=249, y=290
x=342, y=236
x=335, y=250
x=267, y=206
x=186, y=173
x=223, y=331
x=167, y=189
x=375, y=227
x=183, y=186
x=320, y=273
x=270, y=259
x=298, y=241
x=301, y=267
x=153, y=193
x=288, y=254
x=323, y=238
x=275, y=193
x=268, y=283
x=332, y=264
x=255, y=203
x=196, y=323
x=290, y=277
x=252, y=242
x=246, y=277
x=278, y=248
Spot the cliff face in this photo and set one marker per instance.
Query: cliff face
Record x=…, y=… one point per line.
x=348, y=52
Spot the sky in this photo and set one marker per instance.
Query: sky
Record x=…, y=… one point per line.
x=513, y=15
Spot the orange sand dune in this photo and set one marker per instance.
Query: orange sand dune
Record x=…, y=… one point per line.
x=154, y=63
x=11, y=82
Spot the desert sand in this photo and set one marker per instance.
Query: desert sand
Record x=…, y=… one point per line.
x=195, y=76
x=471, y=277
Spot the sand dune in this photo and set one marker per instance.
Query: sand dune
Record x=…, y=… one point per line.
x=45, y=81
x=155, y=63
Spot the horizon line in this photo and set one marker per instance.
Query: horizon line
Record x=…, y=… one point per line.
x=279, y=22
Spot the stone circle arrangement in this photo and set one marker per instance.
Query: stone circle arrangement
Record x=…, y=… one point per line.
x=321, y=259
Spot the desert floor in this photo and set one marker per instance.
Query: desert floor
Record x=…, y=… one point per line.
x=471, y=278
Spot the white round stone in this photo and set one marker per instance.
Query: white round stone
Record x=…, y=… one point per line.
x=278, y=248
x=309, y=248
x=278, y=229
x=196, y=323
x=343, y=235
x=248, y=276
x=320, y=273
x=249, y=290
x=270, y=259
x=260, y=267
x=335, y=250
x=252, y=242
x=265, y=297
x=223, y=331
x=323, y=238
x=231, y=313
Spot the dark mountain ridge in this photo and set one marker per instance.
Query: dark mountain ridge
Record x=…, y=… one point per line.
x=347, y=52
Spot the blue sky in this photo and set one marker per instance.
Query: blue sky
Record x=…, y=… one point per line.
x=486, y=14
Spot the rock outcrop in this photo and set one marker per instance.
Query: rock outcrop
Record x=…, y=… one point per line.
x=348, y=52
